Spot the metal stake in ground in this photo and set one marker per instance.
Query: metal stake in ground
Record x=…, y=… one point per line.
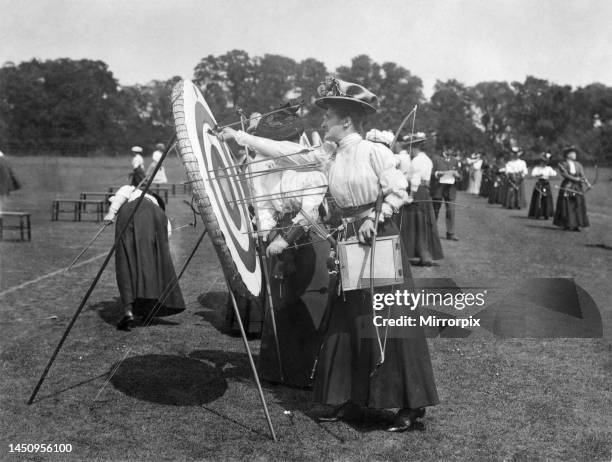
x=97, y=278
x=251, y=362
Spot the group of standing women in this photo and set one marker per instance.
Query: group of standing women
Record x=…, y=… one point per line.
x=503, y=183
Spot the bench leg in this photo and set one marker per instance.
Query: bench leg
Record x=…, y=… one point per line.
x=1, y=228
x=29, y=224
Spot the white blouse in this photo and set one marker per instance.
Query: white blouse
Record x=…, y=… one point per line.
x=543, y=172
x=517, y=166
x=283, y=191
x=419, y=170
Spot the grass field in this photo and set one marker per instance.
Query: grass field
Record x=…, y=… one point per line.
x=185, y=391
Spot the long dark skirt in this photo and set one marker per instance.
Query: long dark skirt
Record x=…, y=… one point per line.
x=417, y=222
x=143, y=263
x=299, y=282
x=515, y=194
x=497, y=193
x=347, y=364
x=8, y=180
x=571, y=210
x=485, y=185
x=541, y=204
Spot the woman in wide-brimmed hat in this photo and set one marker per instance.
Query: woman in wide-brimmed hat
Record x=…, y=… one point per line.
x=541, y=204
x=571, y=213
x=348, y=375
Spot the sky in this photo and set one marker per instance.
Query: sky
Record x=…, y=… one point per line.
x=567, y=42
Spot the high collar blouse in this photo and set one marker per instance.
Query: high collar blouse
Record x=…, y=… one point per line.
x=361, y=169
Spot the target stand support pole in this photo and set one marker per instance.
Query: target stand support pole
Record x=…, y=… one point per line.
x=264, y=261
x=251, y=362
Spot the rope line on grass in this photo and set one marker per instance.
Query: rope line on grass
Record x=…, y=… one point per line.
x=48, y=275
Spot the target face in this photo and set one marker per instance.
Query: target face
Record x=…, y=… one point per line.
x=218, y=188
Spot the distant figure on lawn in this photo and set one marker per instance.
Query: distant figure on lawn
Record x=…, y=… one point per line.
x=160, y=176
x=138, y=172
x=516, y=171
x=143, y=264
x=541, y=204
x=571, y=211
x=8, y=180
x=444, y=182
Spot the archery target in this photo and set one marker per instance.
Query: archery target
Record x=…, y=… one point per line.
x=218, y=190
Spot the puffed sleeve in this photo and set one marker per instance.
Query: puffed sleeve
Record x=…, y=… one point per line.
x=316, y=182
x=267, y=217
x=121, y=197
x=392, y=180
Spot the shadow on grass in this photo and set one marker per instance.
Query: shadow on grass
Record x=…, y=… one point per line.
x=110, y=311
x=547, y=228
x=215, y=312
x=169, y=380
x=235, y=366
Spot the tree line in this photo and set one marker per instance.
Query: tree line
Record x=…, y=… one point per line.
x=77, y=107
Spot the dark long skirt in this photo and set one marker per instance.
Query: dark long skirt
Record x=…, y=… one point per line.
x=571, y=210
x=143, y=263
x=417, y=222
x=8, y=180
x=485, y=185
x=347, y=368
x=514, y=197
x=541, y=204
x=299, y=282
x=496, y=195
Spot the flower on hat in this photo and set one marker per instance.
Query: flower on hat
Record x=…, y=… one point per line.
x=335, y=89
x=414, y=138
x=380, y=136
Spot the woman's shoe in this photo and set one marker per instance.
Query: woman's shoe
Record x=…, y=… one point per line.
x=346, y=411
x=407, y=420
x=126, y=323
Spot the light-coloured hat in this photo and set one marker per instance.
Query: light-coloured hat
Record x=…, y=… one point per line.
x=160, y=146
x=414, y=138
x=335, y=90
x=380, y=136
x=517, y=151
x=137, y=149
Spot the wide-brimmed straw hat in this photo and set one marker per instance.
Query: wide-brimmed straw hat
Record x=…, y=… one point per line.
x=137, y=149
x=281, y=126
x=569, y=149
x=414, y=138
x=336, y=90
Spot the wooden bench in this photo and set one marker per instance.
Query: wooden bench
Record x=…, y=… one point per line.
x=174, y=187
x=79, y=207
x=24, y=225
x=101, y=195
